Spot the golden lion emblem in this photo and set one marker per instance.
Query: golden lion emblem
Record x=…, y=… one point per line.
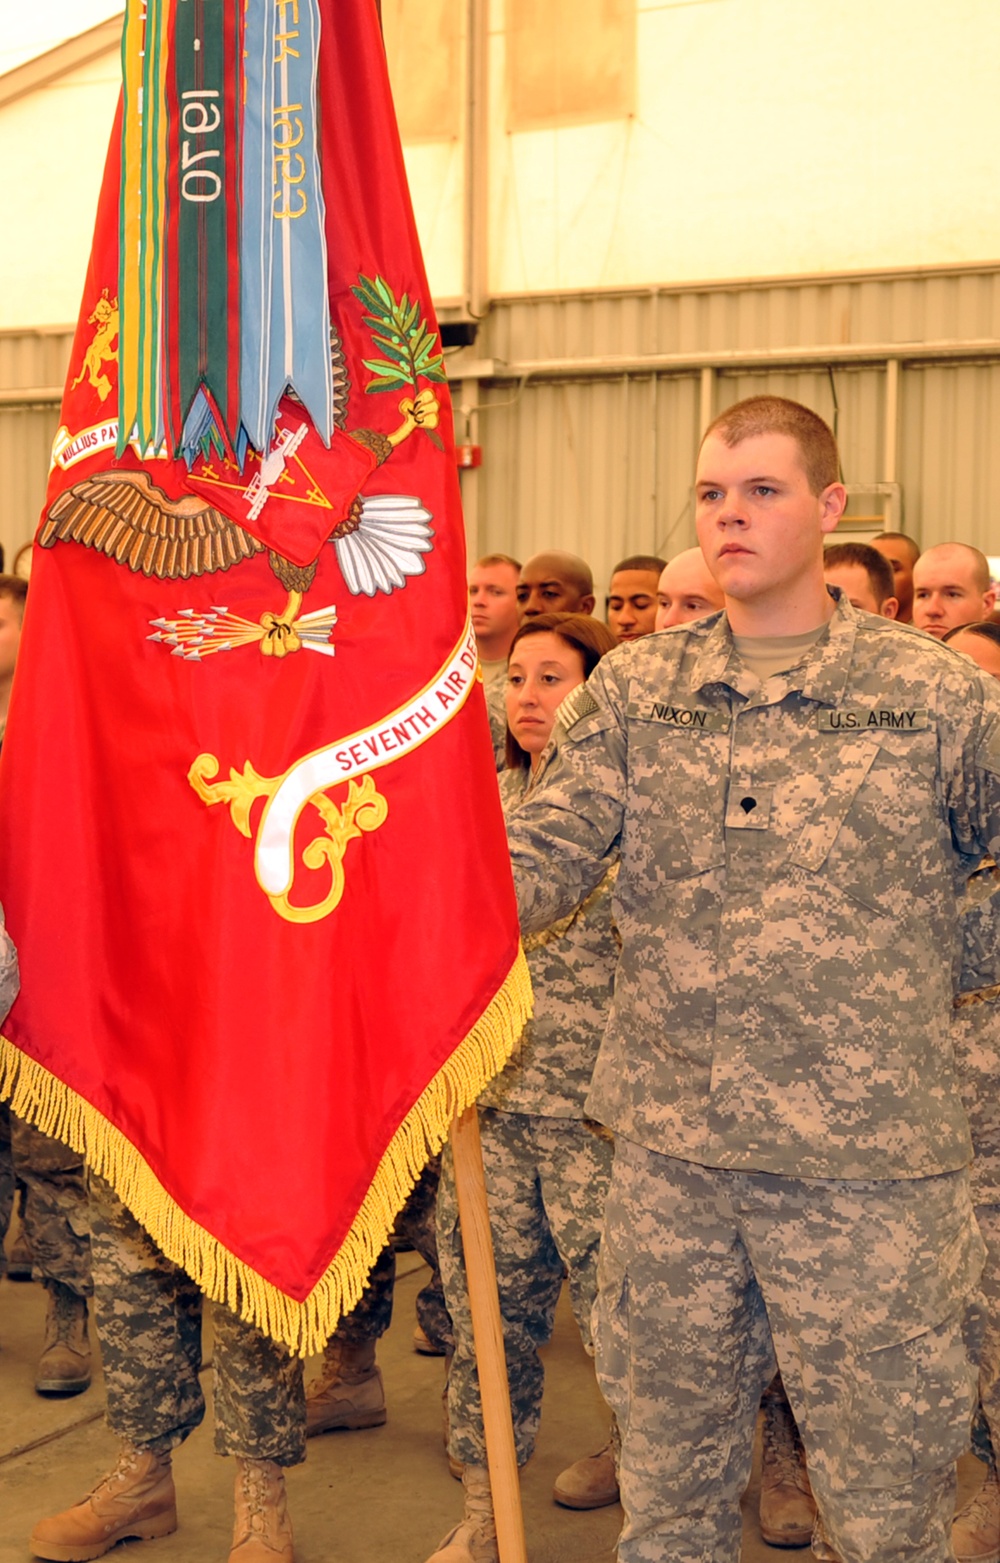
x=103, y=347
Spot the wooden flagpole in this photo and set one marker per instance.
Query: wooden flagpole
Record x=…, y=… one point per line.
x=487, y=1331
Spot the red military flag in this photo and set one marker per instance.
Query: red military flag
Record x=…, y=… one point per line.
x=252, y=854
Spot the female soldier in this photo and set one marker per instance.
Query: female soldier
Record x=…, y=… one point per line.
x=547, y=1165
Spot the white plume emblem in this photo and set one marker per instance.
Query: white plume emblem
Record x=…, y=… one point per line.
x=387, y=545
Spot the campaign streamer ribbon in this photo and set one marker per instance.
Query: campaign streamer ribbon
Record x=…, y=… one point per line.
x=201, y=371
x=216, y=1036
x=283, y=259
x=145, y=42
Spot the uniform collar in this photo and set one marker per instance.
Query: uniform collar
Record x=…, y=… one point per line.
x=821, y=676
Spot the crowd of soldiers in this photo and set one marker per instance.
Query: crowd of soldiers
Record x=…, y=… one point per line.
x=753, y=820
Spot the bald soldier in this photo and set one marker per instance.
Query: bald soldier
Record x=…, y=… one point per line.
x=555, y=583
x=687, y=590
x=951, y=586
x=794, y=789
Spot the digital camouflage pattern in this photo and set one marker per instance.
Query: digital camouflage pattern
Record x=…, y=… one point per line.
x=148, y=1315
x=9, y=984
x=572, y=967
x=986, y=1423
x=791, y=855
x=495, y=690
x=417, y=1224
x=55, y=1216
x=10, y=980
x=976, y=1028
x=8, y=1183
x=977, y=1050
x=55, y=1211
x=869, y=1336
x=546, y=1168
x=546, y=1179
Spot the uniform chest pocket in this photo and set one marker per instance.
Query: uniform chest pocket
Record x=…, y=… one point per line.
x=876, y=811
x=840, y=783
x=676, y=799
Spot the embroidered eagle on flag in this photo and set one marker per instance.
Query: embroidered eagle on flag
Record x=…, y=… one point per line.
x=379, y=543
x=262, y=904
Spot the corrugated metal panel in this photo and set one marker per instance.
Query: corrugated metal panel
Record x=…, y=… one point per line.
x=851, y=400
x=950, y=454
x=964, y=305
x=602, y=465
x=29, y=361
x=25, y=443
x=604, y=468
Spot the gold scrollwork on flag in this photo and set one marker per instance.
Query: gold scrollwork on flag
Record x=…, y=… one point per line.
x=363, y=809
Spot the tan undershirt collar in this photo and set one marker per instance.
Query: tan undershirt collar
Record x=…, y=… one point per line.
x=768, y=654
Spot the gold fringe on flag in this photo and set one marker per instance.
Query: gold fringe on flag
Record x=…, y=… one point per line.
x=304, y=1327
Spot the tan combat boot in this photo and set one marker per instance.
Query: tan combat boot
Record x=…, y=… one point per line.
x=475, y=1539
x=424, y=1346
x=64, y=1366
x=590, y=1483
x=787, y=1506
x=262, y=1531
x=136, y=1502
x=975, y=1532
x=348, y=1393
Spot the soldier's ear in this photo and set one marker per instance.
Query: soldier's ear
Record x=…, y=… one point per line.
x=833, y=503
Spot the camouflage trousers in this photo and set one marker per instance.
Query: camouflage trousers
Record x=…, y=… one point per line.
x=866, y=1295
x=8, y=1182
x=416, y=1223
x=976, y=1037
x=986, y=1424
x=148, y=1315
x=54, y=1214
x=546, y=1179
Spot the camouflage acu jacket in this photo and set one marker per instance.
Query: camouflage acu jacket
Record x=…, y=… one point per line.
x=496, y=710
x=10, y=980
x=791, y=858
x=976, y=1031
x=572, y=966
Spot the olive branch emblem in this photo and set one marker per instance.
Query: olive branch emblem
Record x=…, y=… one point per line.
x=398, y=329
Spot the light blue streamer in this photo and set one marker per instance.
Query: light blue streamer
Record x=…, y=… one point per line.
x=284, y=299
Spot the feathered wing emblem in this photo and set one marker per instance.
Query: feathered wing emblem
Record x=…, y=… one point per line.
x=387, y=543
x=125, y=516
x=379, y=545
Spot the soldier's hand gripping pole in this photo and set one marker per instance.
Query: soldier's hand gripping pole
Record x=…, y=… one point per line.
x=487, y=1331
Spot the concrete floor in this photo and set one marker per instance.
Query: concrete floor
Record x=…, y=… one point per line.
x=383, y=1495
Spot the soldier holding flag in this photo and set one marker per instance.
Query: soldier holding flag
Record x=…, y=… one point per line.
x=797, y=790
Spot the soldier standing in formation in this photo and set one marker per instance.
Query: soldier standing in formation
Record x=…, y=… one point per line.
x=149, y=1326
x=547, y=1166
x=53, y=1240
x=349, y=1391
x=796, y=791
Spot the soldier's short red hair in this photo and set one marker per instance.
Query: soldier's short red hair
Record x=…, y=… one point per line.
x=777, y=415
